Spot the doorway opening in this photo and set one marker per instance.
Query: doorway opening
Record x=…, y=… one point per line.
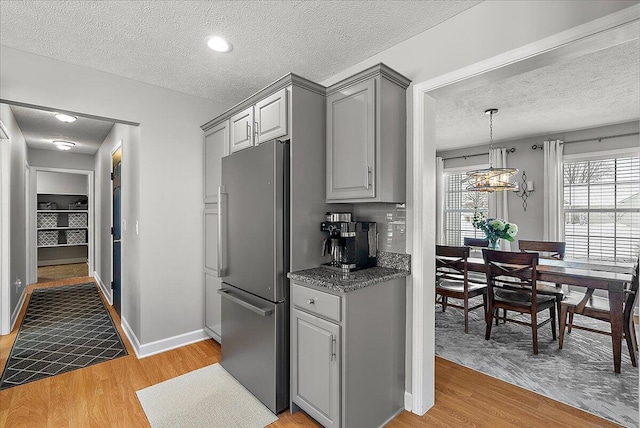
x=64, y=209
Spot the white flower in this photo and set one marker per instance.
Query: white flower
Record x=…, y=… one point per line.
x=512, y=229
x=498, y=224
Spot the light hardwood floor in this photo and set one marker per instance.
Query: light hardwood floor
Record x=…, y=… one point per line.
x=104, y=395
x=58, y=272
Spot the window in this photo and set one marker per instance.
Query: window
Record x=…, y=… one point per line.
x=459, y=207
x=601, y=208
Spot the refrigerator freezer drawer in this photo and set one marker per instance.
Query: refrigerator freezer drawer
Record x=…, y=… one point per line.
x=256, y=343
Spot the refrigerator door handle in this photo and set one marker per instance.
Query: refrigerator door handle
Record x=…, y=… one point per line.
x=260, y=311
x=222, y=268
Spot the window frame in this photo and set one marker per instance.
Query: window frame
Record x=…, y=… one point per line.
x=446, y=172
x=601, y=155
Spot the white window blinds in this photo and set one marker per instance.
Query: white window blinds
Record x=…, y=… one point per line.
x=459, y=206
x=601, y=208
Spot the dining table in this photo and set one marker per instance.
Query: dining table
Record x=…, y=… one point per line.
x=614, y=277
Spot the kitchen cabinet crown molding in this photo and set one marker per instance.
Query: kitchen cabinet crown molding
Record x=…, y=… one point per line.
x=283, y=82
x=378, y=69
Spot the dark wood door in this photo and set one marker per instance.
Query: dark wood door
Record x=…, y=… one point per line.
x=116, y=231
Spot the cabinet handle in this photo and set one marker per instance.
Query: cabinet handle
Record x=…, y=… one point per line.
x=222, y=271
x=333, y=347
x=311, y=301
x=256, y=128
x=367, y=177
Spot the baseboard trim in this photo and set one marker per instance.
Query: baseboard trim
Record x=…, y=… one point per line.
x=18, y=308
x=408, y=401
x=106, y=291
x=162, y=345
x=133, y=339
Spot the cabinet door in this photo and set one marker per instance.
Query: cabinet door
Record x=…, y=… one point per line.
x=315, y=367
x=216, y=145
x=351, y=142
x=241, y=130
x=213, y=305
x=271, y=117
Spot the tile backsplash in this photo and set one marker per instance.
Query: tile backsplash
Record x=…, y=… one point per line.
x=391, y=221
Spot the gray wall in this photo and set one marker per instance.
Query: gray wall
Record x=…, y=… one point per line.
x=530, y=223
x=59, y=159
x=167, y=164
x=130, y=138
x=61, y=182
x=17, y=246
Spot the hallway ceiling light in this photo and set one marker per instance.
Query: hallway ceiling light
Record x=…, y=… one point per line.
x=64, y=145
x=219, y=44
x=66, y=118
x=491, y=179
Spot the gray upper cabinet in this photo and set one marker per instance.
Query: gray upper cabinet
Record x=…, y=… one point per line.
x=351, y=142
x=241, y=130
x=366, y=137
x=216, y=145
x=271, y=117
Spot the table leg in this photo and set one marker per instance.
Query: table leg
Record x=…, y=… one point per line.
x=615, y=306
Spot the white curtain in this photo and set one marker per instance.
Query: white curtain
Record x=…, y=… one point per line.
x=440, y=233
x=553, y=191
x=498, y=207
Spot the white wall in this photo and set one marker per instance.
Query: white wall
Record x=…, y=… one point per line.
x=61, y=182
x=166, y=161
x=17, y=247
x=483, y=31
x=59, y=159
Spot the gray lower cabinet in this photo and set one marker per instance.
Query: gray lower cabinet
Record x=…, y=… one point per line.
x=348, y=353
x=316, y=362
x=212, y=306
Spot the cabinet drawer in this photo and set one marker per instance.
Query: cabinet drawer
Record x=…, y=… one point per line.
x=316, y=302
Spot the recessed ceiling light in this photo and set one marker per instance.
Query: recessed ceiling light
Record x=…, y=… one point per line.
x=64, y=145
x=66, y=118
x=219, y=44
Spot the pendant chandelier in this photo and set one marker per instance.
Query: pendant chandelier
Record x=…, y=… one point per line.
x=491, y=179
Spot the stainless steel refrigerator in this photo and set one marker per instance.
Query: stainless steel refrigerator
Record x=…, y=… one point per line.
x=255, y=291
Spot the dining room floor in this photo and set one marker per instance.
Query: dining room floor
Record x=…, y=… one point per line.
x=581, y=374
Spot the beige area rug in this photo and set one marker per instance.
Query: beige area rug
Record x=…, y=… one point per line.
x=209, y=397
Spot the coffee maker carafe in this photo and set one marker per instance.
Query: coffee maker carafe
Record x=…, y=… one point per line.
x=352, y=245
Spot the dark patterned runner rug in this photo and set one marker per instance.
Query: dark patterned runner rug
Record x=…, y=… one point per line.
x=64, y=328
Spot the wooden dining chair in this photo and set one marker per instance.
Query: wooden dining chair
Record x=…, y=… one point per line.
x=548, y=250
x=452, y=280
x=477, y=243
x=507, y=269
x=587, y=305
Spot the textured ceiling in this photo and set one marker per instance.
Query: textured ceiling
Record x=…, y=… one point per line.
x=40, y=128
x=597, y=89
x=163, y=43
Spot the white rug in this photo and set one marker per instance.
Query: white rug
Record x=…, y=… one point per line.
x=209, y=397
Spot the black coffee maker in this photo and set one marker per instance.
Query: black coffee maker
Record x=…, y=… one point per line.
x=352, y=245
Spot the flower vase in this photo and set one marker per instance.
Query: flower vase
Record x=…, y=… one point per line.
x=494, y=243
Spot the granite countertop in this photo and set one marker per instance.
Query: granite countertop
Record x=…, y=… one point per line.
x=396, y=266
x=337, y=281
